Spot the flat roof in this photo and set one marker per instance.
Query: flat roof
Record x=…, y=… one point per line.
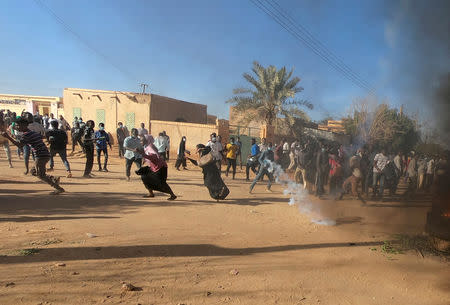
x=129, y=92
x=105, y=91
x=177, y=100
x=31, y=96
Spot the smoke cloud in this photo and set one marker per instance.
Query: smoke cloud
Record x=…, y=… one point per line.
x=299, y=196
x=418, y=64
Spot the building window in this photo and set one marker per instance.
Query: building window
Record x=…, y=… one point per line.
x=101, y=116
x=76, y=112
x=130, y=120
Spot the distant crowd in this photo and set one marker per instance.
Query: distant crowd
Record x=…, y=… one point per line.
x=316, y=164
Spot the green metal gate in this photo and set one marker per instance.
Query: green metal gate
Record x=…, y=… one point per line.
x=246, y=134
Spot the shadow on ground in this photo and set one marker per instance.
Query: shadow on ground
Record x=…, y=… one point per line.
x=51, y=218
x=178, y=250
x=37, y=202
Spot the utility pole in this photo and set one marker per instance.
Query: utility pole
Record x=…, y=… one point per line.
x=144, y=86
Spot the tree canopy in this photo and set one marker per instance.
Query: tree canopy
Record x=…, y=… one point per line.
x=270, y=96
x=383, y=127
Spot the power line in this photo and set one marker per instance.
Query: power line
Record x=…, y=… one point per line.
x=317, y=43
x=85, y=42
x=280, y=21
x=310, y=44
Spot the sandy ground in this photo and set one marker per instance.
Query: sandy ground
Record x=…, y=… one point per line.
x=182, y=252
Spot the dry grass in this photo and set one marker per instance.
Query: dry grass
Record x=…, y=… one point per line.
x=422, y=244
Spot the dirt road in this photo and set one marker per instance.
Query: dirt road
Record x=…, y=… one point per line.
x=248, y=249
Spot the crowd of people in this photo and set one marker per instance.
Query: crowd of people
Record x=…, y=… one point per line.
x=315, y=164
x=44, y=137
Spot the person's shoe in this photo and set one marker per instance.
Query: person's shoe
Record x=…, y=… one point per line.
x=178, y=169
x=87, y=176
x=57, y=180
x=269, y=191
x=250, y=191
x=128, y=178
x=99, y=169
x=69, y=175
x=171, y=198
x=10, y=165
x=185, y=168
x=57, y=191
x=105, y=170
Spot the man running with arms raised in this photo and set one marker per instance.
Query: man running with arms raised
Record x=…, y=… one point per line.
x=34, y=139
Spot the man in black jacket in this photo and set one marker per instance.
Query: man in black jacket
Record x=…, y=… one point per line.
x=88, y=143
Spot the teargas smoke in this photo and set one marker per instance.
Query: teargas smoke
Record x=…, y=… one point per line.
x=298, y=196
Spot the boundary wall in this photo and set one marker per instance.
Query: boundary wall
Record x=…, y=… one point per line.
x=194, y=133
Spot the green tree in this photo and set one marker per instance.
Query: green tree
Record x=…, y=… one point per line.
x=271, y=96
x=383, y=127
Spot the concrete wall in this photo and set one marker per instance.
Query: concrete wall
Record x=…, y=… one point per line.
x=13, y=104
x=211, y=119
x=223, y=130
x=195, y=133
x=168, y=109
x=116, y=106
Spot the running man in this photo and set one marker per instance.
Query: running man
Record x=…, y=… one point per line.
x=5, y=143
x=34, y=139
x=133, y=147
x=266, y=159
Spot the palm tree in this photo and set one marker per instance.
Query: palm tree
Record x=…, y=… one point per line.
x=270, y=97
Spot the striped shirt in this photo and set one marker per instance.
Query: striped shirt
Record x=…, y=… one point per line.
x=34, y=139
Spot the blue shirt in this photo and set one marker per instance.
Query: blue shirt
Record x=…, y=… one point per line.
x=255, y=149
x=133, y=143
x=101, y=139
